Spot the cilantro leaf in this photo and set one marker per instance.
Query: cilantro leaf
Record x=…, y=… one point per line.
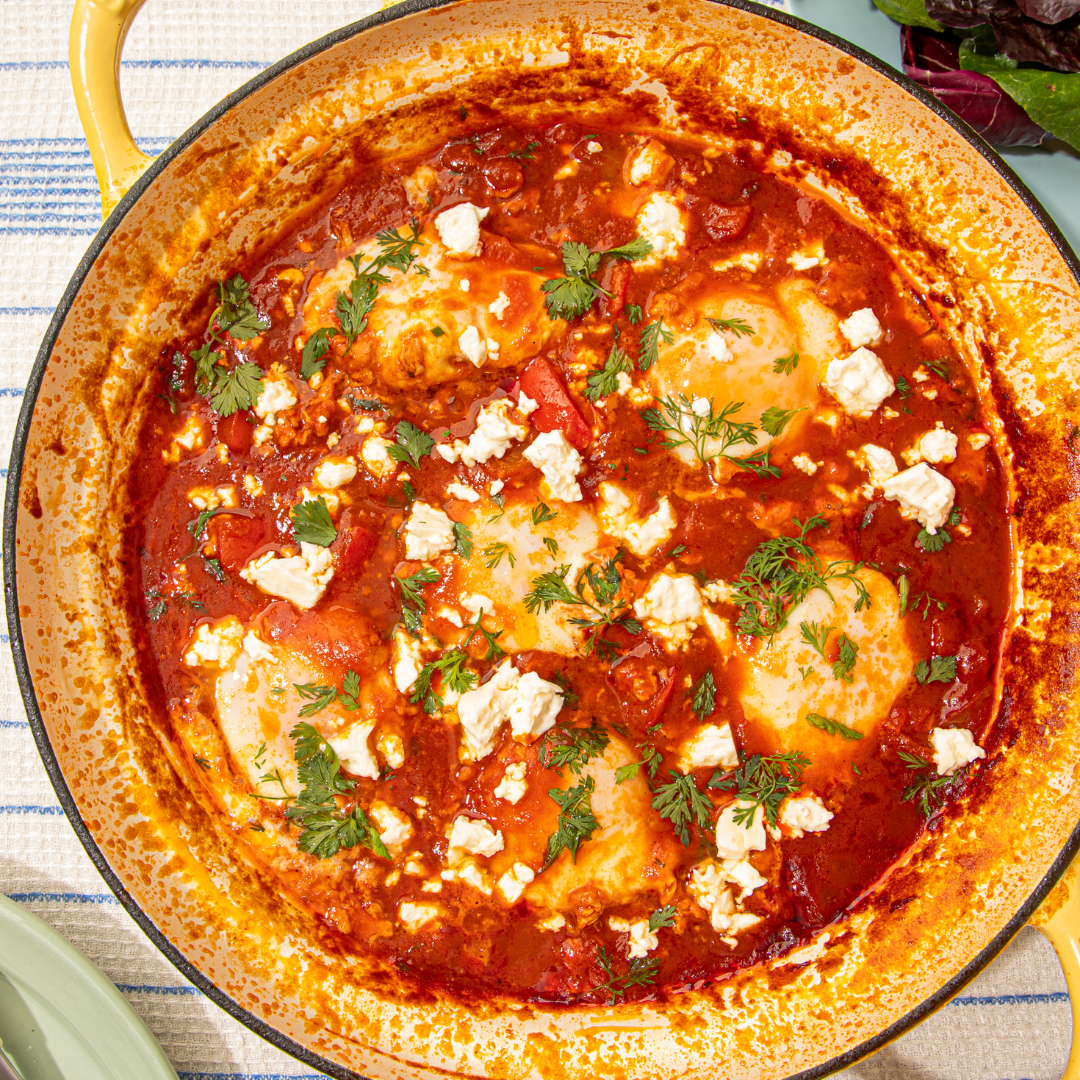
x=413, y=605
x=832, y=727
x=576, y=822
x=762, y=781
x=312, y=523
x=236, y=314
x=572, y=747
x=649, y=343
x=939, y=669
x=774, y=420
x=641, y=972
x=412, y=443
x=237, y=388
x=313, y=358
x=605, y=381
x=571, y=296
x=456, y=677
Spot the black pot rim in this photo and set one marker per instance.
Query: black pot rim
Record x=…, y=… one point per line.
x=11, y=507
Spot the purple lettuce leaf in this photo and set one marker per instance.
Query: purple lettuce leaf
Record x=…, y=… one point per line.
x=1028, y=31
x=1049, y=11
x=933, y=61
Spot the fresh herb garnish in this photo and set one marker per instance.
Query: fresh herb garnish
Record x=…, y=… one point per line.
x=781, y=573
x=633, y=313
x=605, y=381
x=763, y=781
x=437, y=331
x=214, y=569
x=541, y=512
x=526, y=154
x=680, y=801
x=455, y=676
x=903, y=388
x=576, y=822
x=651, y=759
x=685, y=426
x=313, y=358
x=774, y=420
x=703, y=693
x=552, y=545
x=816, y=636
x=935, y=542
x=570, y=747
x=325, y=828
x=494, y=649
x=927, y=788
x=641, y=972
x=844, y=665
x=736, y=326
x=494, y=553
x=318, y=697
x=312, y=523
x=939, y=366
x=499, y=501
x=832, y=727
x=571, y=296
x=939, y=669
x=757, y=463
x=662, y=919
x=649, y=343
x=785, y=365
x=909, y=603
x=413, y=605
x=604, y=583
x=412, y=444
x=463, y=541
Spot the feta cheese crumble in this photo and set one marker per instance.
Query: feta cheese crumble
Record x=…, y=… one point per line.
x=878, y=462
x=256, y=648
x=862, y=328
x=473, y=347
x=804, y=814
x=300, y=579
x=713, y=745
x=805, y=463
x=512, y=884
x=922, y=493
x=642, y=939
x=734, y=841
x=351, y=747
x=414, y=915
x=512, y=786
x=717, y=347
x=459, y=229
x=859, y=382
x=463, y=492
x=472, y=836
x=334, y=472
x=498, y=306
x=938, y=447
x=671, y=608
x=428, y=532
x=953, y=749
x=407, y=660
x=394, y=826
x=660, y=222
x=392, y=748
x=530, y=703
x=495, y=431
x=560, y=463
x=375, y=454
x=215, y=644
x=642, y=536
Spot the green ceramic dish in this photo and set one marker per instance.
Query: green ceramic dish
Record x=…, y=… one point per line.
x=60, y=1018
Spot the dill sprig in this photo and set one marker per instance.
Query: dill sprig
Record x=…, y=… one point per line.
x=641, y=972
x=763, y=781
x=683, y=425
x=572, y=747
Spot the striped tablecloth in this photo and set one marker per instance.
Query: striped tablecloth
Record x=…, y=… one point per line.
x=1012, y=1023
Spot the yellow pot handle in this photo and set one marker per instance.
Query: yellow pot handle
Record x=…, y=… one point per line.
x=98, y=30
x=1058, y=918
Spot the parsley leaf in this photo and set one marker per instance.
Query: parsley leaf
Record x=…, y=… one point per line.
x=680, y=801
x=576, y=822
x=325, y=829
x=703, y=693
x=774, y=420
x=641, y=972
x=908, y=603
x=763, y=781
x=935, y=542
x=785, y=365
x=235, y=389
x=927, y=788
x=649, y=343
x=412, y=444
x=312, y=523
x=313, y=358
x=662, y=919
x=494, y=650
x=832, y=727
x=317, y=697
x=571, y=296
x=236, y=314
x=844, y=664
x=939, y=669
x=413, y=605
x=455, y=676
x=605, y=381
x=651, y=758
x=572, y=747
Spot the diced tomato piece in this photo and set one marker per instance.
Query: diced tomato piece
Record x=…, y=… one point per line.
x=236, y=431
x=238, y=538
x=557, y=411
x=617, y=285
x=724, y=222
x=352, y=549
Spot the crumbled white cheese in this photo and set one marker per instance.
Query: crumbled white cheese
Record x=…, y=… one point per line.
x=351, y=747
x=709, y=883
x=253, y=485
x=334, y=472
x=432, y=886
x=451, y=616
x=415, y=867
x=807, y=813
x=300, y=579
x=748, y=260
x=473, y=346
x=496, y=487
x=593, y=146
x=420, y=186
x=256, y=648
x=953, y=749
x=464, y=284
x=392, y=748
x=277, y=396
x=463, y=492
x=208, y=498
x=798, y=261
x=459, y=228
x=394, y=826
x=641, y=536
x=414, y=915
x=407, y=660
x=648, y=164
x=192, y=436
x=922, y=493
x=660, y=222
x=215, y=644
x=717, y=347
x=375, y=454
x=560, y=463
x=938, y=447
x=859, y=382
x=512, y=786
x=978, y=440
x=701, y=406
x=711, y=746
x=623, y=383
x=805, y=463
x=862, y=328
x=530, y=703
x=476, y=603
x=551, y=923
x=498, y=306
x=671, y=608
x=878, y=462
x=428, y=532
x=920, y=374
x=472, y=836
x=642, y=939
x=494, y=432
x=717, y=592
x=734, y=841
x=743, y=873
x=512, y=884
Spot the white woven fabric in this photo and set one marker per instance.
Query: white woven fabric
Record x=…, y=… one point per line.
x=181, y=58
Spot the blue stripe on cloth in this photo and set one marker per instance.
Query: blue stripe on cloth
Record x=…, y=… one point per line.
x=13, y=724
x=133, y=988
x=12, y=391
x=62, y=898
x=47, y=232
x=1013, y=999
x=44, y=811
x=249, y=1076
x=26, y=310
x=191, y=64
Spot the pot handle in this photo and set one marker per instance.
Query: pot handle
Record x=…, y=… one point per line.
x=1058, y=919
x=98, y=30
